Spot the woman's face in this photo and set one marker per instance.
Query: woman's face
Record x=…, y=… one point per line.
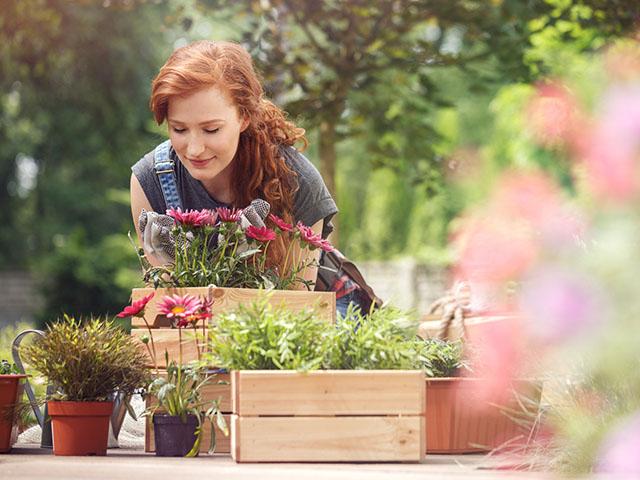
x=204, y=129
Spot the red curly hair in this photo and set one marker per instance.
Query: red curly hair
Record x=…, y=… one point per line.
x=259, y=169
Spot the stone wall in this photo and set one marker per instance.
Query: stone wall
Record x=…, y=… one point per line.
x=406, y=283
x=19, y=300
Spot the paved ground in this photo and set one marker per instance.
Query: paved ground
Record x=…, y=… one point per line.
x=27, y=462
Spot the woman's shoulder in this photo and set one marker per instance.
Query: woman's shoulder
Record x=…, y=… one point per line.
x=308, y=174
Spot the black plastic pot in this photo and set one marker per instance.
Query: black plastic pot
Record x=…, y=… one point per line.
x=174, y=438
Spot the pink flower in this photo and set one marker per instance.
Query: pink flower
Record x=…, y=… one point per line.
x=561, y=304
x=554, y=116
x=262, y=234
x=193, y=218
x=619, y=450
x=229, y=215
x=136, y=308
x=179, y=306
x=326, y=246
x=309, y=236
x=610, y=149
x=280, y=223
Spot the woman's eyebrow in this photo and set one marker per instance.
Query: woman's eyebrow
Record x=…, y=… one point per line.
x=206, y=122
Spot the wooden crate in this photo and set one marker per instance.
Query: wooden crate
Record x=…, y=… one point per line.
x=328, y=416
x=211, y=391
x=225, y=299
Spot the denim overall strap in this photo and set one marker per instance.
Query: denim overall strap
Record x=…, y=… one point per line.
x=167, y=176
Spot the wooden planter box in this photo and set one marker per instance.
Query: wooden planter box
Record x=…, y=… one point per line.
x=328, y=416
x=456, y=423
x=209, y=392
x=224, y=299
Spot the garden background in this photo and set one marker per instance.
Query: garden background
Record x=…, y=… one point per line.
x=412, y=109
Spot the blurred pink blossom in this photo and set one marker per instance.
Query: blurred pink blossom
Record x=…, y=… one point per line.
x=611, y=149
x=553, y=114
x=559, y=304
x=622, y=62
x=526, y=212
x=493, y=249
x=497, y=351
x=619, y=451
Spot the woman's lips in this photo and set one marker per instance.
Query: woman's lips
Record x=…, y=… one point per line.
x=200, y=163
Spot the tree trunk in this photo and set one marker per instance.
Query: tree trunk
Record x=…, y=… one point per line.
x=327, y=147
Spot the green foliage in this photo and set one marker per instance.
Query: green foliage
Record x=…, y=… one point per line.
x=383, y=340
x=7, y=368
x=81, y=278
x=178, y=394
x=441, y=358
x=258, y=336
x=88, y=362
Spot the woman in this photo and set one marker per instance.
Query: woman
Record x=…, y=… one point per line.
x=230, y=145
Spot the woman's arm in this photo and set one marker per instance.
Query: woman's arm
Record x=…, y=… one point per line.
x=306, y=256
x=139, y=201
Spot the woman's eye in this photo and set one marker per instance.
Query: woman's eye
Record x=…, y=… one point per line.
x=179, y=130
x=212, y=131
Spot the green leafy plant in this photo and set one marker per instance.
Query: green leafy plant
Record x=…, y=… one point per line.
x=88, y=361
x=178, y=394
x=440, y=358
x=7, y=368
x=259, y=336
x=383, y=340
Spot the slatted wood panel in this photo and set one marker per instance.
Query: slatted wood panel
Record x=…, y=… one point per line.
x=334, y=392
x=167, y=339
x=327, y=439
x=328, y=416
x=215, y=389
x=458, y=422
x=225, y=299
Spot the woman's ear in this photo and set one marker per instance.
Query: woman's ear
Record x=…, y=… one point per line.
x=245, y=123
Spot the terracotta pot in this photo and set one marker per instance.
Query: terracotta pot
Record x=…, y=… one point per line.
x=80, y=428
x=173, y=437
x=458, y=421
x=11, y=387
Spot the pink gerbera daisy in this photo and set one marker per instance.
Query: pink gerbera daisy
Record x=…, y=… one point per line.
x=192, y=218
x=309, y=236
x=136, y=308
x=262, y=234
x=230, y=215
x=179, y=306
x=280, y=223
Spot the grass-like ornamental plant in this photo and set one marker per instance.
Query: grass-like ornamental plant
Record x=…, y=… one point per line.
x=88, y=361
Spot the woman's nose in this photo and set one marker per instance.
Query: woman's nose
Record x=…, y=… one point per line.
x=195, y=147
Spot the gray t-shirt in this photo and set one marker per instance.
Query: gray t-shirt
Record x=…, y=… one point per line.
x=312, y=201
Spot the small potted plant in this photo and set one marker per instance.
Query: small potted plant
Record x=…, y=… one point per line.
x=11, y=387
x=88, y=362
x=178, y=410
x=458, y=418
